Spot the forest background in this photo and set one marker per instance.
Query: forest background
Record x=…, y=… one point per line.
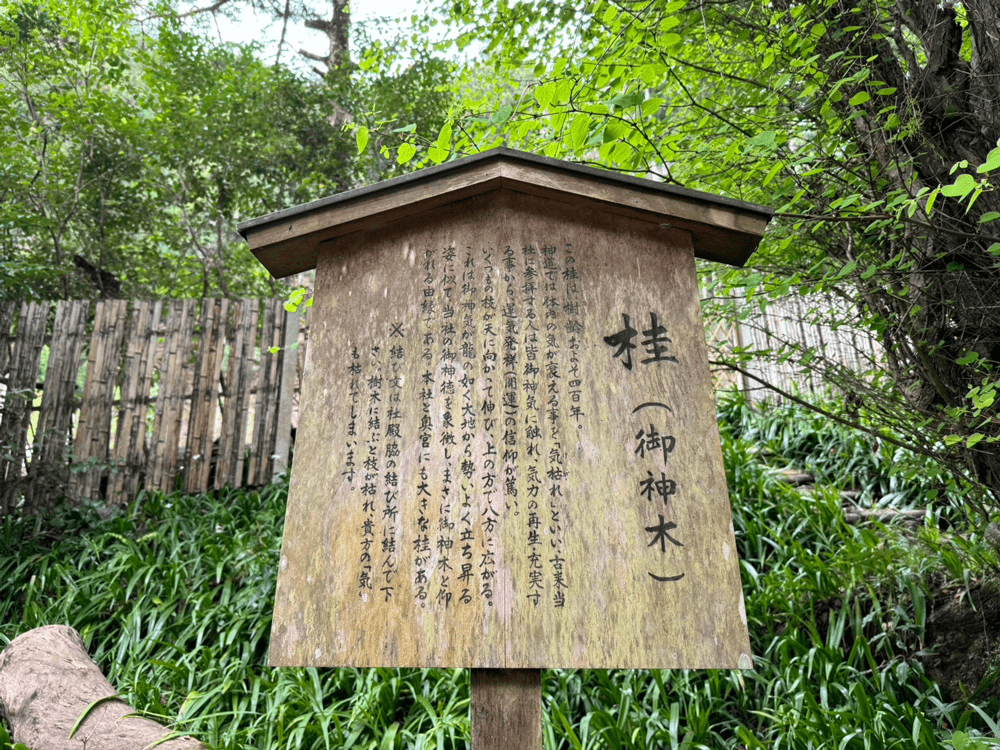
x=133, y=140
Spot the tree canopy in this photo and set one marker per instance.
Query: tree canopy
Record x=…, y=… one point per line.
x=132, y=145
x=870, y=126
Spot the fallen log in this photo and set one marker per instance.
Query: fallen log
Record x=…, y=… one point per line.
x=47, y=683
x=854, y=516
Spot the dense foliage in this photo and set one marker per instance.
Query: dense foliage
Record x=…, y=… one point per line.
x=173, y=597
x=131, y=145
x=870, y=125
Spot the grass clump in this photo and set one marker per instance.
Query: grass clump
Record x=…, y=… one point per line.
x=173, y=596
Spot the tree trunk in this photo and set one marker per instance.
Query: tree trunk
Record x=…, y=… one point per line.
x=47, y=682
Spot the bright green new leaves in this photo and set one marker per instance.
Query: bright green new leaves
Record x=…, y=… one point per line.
x=960, y=188
x=805, y=107
x=405, y=152
x=578, y=130
x=992, y=162
x=361, y=136
x=544, y=94
x=502, y=115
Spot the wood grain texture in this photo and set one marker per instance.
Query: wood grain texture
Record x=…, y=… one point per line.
x=174, y=384
x=266, y=403
x=18, y=399
x=288, y=373
x=49, y=470
x=290, y=247
x=8, y=311
x=506, y=709
x=722, y=230
x=586, y=550
x=134, y=409
x=204, y=394
x=242, y=338
x=93, y=431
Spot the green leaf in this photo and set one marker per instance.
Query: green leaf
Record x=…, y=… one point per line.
x=772, y=172
x=967, y=359
x=973, y=439
x=950, y=440
x=564, y=89
x=361, y=138
x=626, y=100
x=502, y=115
x=87, y=711
x=886, y=91
x=992, y=162
x=578, y=130
x=859, y=98
x=869, y=272
x=931, y=199
x=436, y=154
x=444, y=137
x=765, y=139
x=960, y=188
x=544, y=94
x=406, y=152
x=846, y=269
x=651, y=107
x=389, y=738
x=989, y=216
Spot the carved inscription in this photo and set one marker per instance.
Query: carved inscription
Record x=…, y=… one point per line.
x=498, y=338
x=508, y=455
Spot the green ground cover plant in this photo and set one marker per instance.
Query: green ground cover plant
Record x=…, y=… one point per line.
x=173, y=596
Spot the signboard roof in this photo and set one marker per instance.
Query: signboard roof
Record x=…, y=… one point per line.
x=289, y=241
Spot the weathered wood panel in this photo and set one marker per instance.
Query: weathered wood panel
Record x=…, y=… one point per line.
x=508, y=455
x=236, y=408
x=93, y=432
x=18, y=400
x=49, y=472
x=173, y=367
x=133, y=413
x=204, y=403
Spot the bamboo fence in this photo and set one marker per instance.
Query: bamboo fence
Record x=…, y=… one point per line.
x=99, y=400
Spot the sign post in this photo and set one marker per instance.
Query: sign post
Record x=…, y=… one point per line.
x=508, y=456
x=506, y=708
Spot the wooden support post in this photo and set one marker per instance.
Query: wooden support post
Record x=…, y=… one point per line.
x=506, y=709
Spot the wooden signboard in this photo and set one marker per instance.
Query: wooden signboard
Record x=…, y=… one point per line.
x=507, y=455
